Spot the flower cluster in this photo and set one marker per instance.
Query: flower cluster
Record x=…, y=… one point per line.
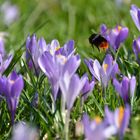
x=59, y=66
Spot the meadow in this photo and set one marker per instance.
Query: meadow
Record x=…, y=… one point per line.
x=55, y=84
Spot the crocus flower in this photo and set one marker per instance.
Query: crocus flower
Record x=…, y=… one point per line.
x=135, y=14
x=5, y=63
x=119, y=119
x=88, y=86
x=11, y=87
x=71, y=87
x=103, y=73
x=97, y=129
x=136, y=49
x=68, y=49
x=56, y=66
x=23, y=131
x=32, y=53
x=2, y=49
x=114, y=36
x=126, y=88
x=10, y=13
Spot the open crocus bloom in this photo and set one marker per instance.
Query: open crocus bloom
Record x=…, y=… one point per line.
x=114, y=36
x=88, y=86
x=56, y=66
x=135, y=14
x=103, y=73
x=119, y=119
x=126, y=88
x=97, y=129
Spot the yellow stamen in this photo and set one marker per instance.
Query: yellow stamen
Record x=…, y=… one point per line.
x=105, y=66
x=57, y=48
x=119, y=28
x=98, y=119
x=121, y=115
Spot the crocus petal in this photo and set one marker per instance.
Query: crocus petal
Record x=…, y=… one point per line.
x=7, y=62
x=125, y=121
x=46, y=64
x=115, y=70
x=75, y=87
x=109, y=115
x=117, y=86
x=132, y=85
x=71, y=65
x=135, y=16
x=54, y=46
x=108, y=61
x=68, y=49
x=125, y=88
x=97, y=67
x=43, y=45
x=17, y=87
x=122, y=36
x=103, y=29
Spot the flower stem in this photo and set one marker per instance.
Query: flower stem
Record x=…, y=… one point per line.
x=67, y=125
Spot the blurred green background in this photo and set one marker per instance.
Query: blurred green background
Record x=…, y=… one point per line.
x=67, y=19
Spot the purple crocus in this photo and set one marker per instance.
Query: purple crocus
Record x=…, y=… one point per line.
x=114, y=36
x=126, y=88
x=56, y=66
x=23, y=131
x=2, y=49
x=10, y=12
x=71, y=87
x=68, y=49
x=103, y=73
x=11, y=88
x=32, y=53
x=136, y=49
x=119, y=119
x=135, y=14
x=88, y=86
x=4, y=63
x=97, y=129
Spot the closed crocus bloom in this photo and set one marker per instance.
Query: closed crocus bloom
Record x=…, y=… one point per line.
x=32, y=52
x=136, y=49
x=103, y=73
x=119, y=119
x=135, y=14
x=11, y=89
x=88, y=86
x=126, y=88
x=71, y=87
